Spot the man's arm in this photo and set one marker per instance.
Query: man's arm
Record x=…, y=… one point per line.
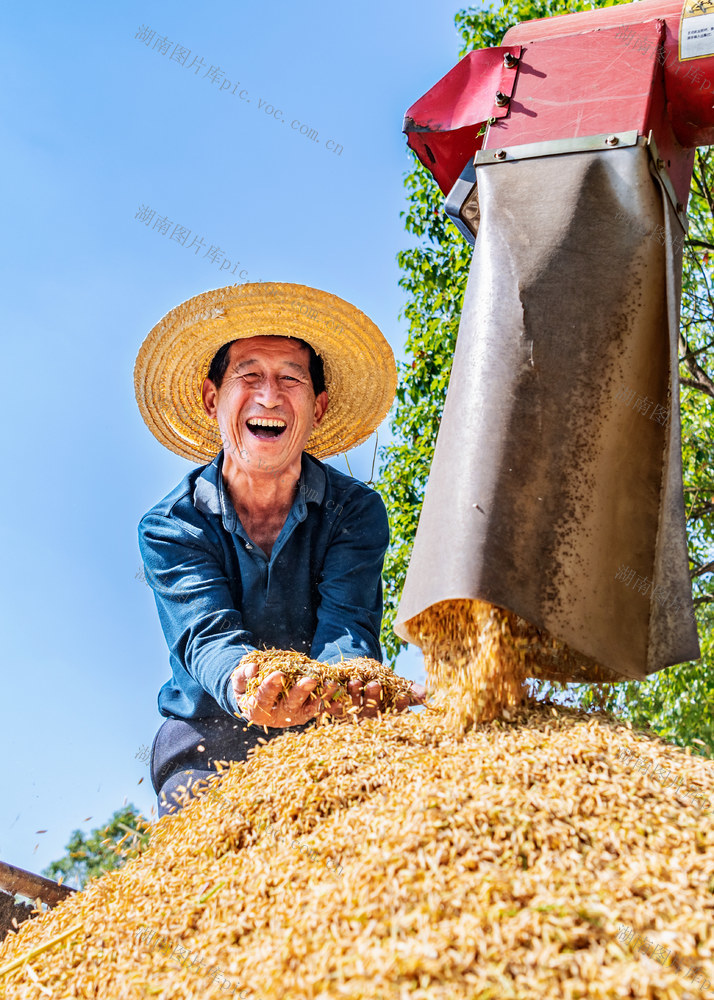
x=349, y=615
x=204, y=630
x=202, y=627
x=350, y=612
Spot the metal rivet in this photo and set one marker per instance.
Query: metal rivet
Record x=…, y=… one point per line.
x=612, y=140
x=500, y=154
x=660, y=164
x=509, y=60
x=502, y=99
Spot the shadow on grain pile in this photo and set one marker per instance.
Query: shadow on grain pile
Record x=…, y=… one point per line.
x=497, y=863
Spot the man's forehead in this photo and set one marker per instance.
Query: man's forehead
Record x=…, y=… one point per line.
x=251, y=348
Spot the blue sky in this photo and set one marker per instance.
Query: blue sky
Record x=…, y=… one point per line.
x=96, y=124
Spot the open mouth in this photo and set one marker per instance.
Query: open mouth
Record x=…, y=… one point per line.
x=265, y=428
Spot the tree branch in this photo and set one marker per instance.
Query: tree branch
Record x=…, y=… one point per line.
x=705, y=278
x=705, y=599
x=699, y=350
x=703, y=182
x=704, y=385
x=700, y=379
x=709, y=487
x=701, y=570
x=706, y=508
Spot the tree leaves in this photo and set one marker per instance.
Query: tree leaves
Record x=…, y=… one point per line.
x=105, y=848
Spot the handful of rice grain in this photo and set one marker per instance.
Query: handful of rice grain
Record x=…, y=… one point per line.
x=296, y=666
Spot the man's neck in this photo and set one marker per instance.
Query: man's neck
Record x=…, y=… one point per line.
x=262, y=499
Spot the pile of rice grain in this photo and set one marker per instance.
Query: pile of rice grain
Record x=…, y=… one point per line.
x=493, y=864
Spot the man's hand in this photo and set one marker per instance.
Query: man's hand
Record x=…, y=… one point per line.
x=368, y=700
x=267, y=708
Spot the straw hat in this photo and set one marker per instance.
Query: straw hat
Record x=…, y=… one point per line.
x=360, y=373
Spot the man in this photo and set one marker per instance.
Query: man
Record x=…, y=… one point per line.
x=264, y=546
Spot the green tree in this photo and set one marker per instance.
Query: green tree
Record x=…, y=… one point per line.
x=123, y=837
x=677, y=702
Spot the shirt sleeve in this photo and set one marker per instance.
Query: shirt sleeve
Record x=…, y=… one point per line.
x=349, y=615
x=201, y=625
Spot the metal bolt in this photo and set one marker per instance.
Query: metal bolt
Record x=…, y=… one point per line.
x=612, y=140
x=500, y=154
x=509, y=60
x=502, y=99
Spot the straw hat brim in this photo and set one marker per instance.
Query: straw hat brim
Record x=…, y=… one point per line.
x=173, y=361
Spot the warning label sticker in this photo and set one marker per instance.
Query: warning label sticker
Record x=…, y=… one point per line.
x=696, y=32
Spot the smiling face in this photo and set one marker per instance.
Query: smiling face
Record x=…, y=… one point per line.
x=266, y=407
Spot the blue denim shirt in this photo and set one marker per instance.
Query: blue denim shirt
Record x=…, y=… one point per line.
x=219, y=596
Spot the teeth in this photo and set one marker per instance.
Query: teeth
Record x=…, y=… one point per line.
x=265, y=422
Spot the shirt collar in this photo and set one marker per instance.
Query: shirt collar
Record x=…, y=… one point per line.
x=210, y=495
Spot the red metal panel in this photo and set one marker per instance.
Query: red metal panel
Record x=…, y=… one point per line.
x=689, y=82
x=593, y=20
x=689, y=85
x=575, y=87
x=442, y=126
